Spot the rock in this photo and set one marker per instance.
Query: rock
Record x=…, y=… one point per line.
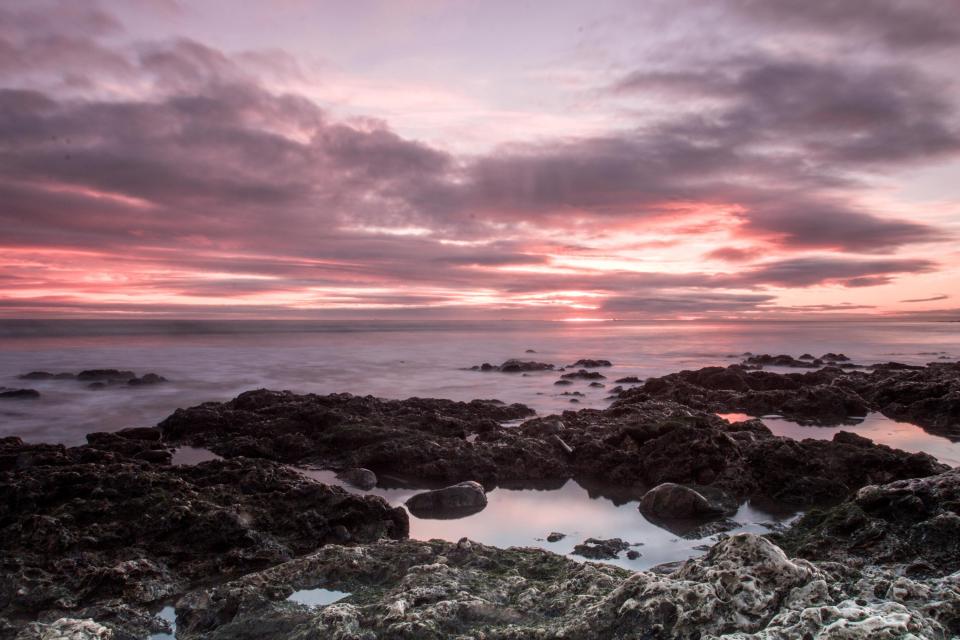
x=834, y=357
x=556, y=536
x=530, y=351
x=18, y=394
x=744, y=588
x=583, y=374
x=598, y=549
x=596, y=385
x=807, y=356
x=359, y=478
x=562, y=383
x=107, y=375
x=67, y=629
x=148, y=378
x=454, y=501
x=629, y=380
x=591, y=364
x=633, y=554
x=96, y=525
x=781, y=361
x=676, y=501
x=515, y=366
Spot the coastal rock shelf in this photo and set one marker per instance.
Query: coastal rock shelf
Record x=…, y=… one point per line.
x=101, y=540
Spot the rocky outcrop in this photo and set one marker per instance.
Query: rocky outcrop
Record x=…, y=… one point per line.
x=583, y=374
x=599, y=549
x=745, y=587
x=928, y=396
x=635, y=444
x=87, y=529
x=514, y=366
x=909, y=522
x=98, y=378
x=588, y=363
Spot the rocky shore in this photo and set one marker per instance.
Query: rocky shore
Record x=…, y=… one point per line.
x=96, y=539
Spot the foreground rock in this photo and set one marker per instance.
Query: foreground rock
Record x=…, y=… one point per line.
x=99, y=531
x=915, y=523
x=598, y=549
x=455, y=501
x=745, y=587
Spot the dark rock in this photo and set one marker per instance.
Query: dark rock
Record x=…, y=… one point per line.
x=782, y=361
x=675, y=501
x=148, y=378
x=515, y=366
x=629, y=380
x=597, y=385
x=834, y=357
x=562, y=383
x=583, y=374
x=359, y=478
x=556, y=536
x=598, y=549
x=592, y=364
x=18, y=394
x=107, y=375
x=455, y=501
x=82, y=528
x=530, y=351
x=633, y=554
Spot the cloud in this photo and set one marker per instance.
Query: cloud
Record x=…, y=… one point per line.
x=930, y=299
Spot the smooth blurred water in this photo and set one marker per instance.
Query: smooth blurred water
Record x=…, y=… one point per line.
x=216, y=361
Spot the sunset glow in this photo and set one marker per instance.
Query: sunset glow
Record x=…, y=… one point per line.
x=580, y=162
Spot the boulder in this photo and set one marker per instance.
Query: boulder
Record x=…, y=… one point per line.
x=676, y=501
x=359, y=477
x=455, y=501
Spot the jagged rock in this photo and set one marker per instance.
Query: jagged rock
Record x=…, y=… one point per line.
x=66, y=629
x=598, y=549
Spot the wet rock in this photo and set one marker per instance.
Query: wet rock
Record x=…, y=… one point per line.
x=530, y=351
x=907, y=522
x=834, y=357
x=765, y=360
x=583, y=374
x=599, y=549
x=18, y=394
x=629, y=380
x=46, y=375
x=147, y=378
x=84, y=527
x=596, y=385
x=359, y=478
x=562, y=383
x=67, y=629
x=556, y=536
x=744, y=587
x=515, y=366
x=676, y=501
x=106, y=375
x=633, y=554
x=454, y=501
x=591, y=364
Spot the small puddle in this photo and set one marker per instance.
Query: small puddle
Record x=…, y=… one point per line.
x=170, y=616
x=876, y=426
x=317, y=597
x=193, y=455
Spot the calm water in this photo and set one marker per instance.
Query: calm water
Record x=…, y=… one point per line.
x=209, y=361
x=524, y=518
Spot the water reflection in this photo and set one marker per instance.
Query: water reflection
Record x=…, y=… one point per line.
x=317, y=597
x=169, y=615
x=524, y=518
x=876, y=426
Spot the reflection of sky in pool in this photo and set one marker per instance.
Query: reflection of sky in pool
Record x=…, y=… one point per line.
x=168, y=614
x=876, y=426
x=317, y=597
x=525, y=517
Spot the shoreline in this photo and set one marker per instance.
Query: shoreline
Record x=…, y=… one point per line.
x=110, y=531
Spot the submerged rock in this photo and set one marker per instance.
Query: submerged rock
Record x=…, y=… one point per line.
x=515, y=366
x=454, y=501
x=583, y=374
x=556, y=536
x=18, y=394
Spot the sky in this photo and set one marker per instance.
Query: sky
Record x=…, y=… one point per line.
x=677, y=159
